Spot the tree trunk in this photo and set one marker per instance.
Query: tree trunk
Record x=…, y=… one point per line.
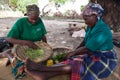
x=112, y=13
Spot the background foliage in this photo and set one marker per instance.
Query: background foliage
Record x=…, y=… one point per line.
x=20, y=4
x=61, y=1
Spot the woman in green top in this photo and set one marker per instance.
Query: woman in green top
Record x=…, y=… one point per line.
x=25, y=31
x=29, y=29
x=94, y=59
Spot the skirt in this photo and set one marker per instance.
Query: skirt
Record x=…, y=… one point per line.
x=99, y=65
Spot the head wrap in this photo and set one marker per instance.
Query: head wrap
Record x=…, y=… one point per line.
x=93, y=8
x=32, y=8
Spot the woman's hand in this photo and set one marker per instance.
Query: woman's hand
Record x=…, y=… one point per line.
x=70, y=54
x=30, y=44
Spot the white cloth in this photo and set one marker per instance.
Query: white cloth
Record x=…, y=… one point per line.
x=80, y=33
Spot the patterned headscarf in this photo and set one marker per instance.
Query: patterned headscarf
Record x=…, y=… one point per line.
x=93, y=8
x=32, y=9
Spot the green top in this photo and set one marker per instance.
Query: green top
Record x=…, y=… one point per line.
x=99, y=38
x=24, y=30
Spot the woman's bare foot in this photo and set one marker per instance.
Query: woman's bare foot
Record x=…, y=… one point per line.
x=5, y=53
x=36, y=75
x=30, y=65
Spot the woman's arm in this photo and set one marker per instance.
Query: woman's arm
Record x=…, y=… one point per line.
x=22, y=42
x=81, y=44
x=44, y=39
x=79, y=51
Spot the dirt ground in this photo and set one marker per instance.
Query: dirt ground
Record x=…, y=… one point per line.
x=57, y=36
